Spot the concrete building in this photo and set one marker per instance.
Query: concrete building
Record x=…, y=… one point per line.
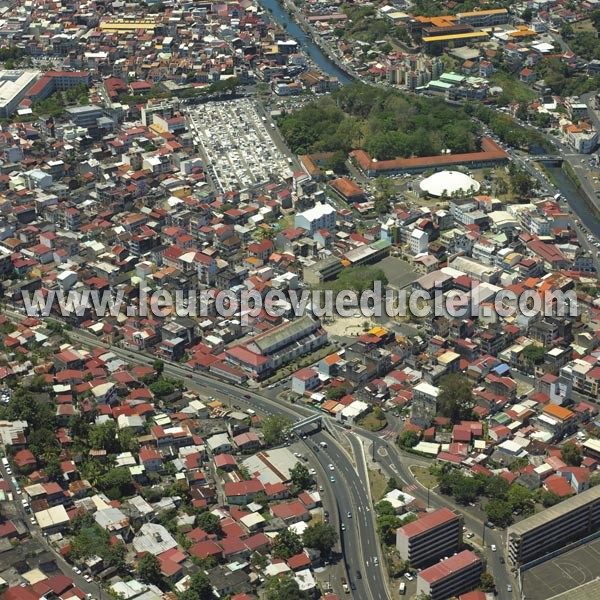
x=451, y=577
x=419, y=241
x=14, y=86
x=484, y=18
x=85, y=116
x=554, y=527
x=430, y=538
x=321, y=216
x=424, y=404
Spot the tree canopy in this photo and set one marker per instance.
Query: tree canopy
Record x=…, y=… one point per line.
x=321, y=536
x=148, y=568
x=287, y=544
x=273, y=428
x=209, y=522
x=499, y=512
x=385, y=122
x=455, y=399
x=284, y=588
x=571, y=454
x=300, y=476
x=199, y=588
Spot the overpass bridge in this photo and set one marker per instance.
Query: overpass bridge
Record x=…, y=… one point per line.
x=316, y=419
x=549, y=158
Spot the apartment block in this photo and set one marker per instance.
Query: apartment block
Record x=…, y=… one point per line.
x=430, y=538
x=554, y=527
x=451, y=577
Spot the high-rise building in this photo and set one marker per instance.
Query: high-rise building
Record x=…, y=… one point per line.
x=429, y=538
x=554, y=527
x=451, y=577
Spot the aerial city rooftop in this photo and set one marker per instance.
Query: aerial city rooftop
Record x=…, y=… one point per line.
x=299, y=300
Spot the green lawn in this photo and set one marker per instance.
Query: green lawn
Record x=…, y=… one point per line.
x=378, y=483
x=372, y=423
x=423, y=476
x=513, y=88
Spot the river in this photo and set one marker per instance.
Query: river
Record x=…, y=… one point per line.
x=576, y=199
x=281, y=15
x=570, y=191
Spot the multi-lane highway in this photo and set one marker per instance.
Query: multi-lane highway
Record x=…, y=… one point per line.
x=350, y=491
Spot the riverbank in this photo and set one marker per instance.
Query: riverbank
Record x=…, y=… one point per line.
x=291, y=19
x=568, y=169
x=578, y=199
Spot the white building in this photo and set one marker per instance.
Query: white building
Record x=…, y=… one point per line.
x=583, y=142
x=321, y=216
x=419, y=242
x=14, y=86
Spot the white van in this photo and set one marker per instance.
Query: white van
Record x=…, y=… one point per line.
x=402, y=589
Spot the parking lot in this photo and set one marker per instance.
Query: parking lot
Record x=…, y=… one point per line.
x=237, y=145
x=563, y=573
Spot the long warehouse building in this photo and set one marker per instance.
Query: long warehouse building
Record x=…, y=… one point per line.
x=554, y=527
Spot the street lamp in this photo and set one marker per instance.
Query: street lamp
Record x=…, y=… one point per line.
x=483, y=536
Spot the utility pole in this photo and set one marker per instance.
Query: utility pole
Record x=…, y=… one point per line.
x=373, y=446
x=483, y=536
x=428, y=490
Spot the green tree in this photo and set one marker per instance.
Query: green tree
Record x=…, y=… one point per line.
x=336, y=393
x=208, y=522
x=158, y=365
x=496, y=487
x=300, y=476
x=521, y=184
x=392, y=484
x=162, y=388
x=128, y=440
x=571, y=454
x=274, y=427
x=455, y=399
x=526, y=15
x=53, y=469
x=148, y=568
x=408, y=439
x=533, y=354
x=199, y=588
x=287, y=544
x=337, y=163
x=467, y=490
x=284, y=588
x=321, y=536
x=595, y=479
x=550, y=498
x=518, y=496
x=79, y=427
x=386, y=528
x=518, y=464
x=499, y=512
x=116, y=483
x=487, y=583
x=385, y=508
x=104, y=437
